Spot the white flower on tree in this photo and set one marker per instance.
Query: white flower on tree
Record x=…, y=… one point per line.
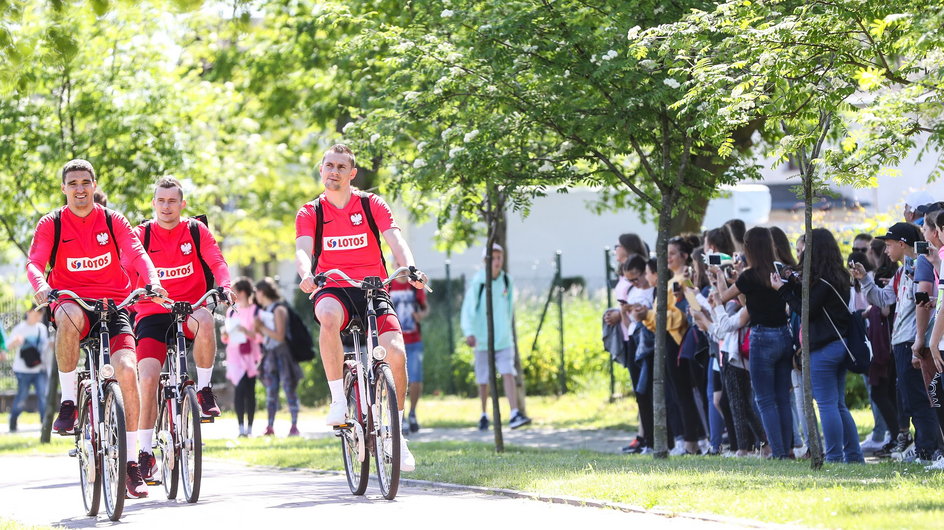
x=671, y=83
x=419, y=163
x=546, y=167
x=446, y=13
x=469, y=136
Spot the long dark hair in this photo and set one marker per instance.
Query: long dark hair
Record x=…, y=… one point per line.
x=782, y=247
x=828, y=264
x=759, y=251
x=720, y=240
x=633, y=244
x=269, y=288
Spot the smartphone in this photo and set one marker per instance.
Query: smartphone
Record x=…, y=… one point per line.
x=676, y=287
x=921, y=247
x=779, y=266
x=852, y=264
x=714, y=259
x=922, y=297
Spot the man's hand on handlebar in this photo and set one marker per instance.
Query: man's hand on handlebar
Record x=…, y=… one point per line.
x=418, y=278
x=307, y=285
x=42, y=296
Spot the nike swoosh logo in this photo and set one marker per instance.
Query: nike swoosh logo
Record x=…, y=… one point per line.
x=154, y=250
x=331, y=221
x=68, y=240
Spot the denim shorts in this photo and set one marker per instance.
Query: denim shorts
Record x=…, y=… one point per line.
x=414, y=361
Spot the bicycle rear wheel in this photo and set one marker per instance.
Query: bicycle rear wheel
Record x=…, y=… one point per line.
x=86, y=445
x=353, y=443
x=387, y=432
x=165, y=451
x=191, y=445
x=114, y=452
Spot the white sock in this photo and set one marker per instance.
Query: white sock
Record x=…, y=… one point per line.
x=67, y=384
x=514, y=412
x=484, y=415
x=146, y=440
x=401, y=419
x=203, y=377
x=337, y=391
x=132, y=437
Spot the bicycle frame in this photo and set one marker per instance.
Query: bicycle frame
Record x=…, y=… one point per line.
x=365, y=358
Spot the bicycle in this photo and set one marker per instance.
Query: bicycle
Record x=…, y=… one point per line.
x=373, y=421
x=100, y=442
x=177, y=429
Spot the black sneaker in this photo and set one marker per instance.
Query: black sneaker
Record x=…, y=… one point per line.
x=902, y=443
x=519, y=420
x=208, y=406
x=483, y=423
x=634, y=447
x=886, y=450
x=12, y=423
x=147, y=464
x=65, y=422
x=136, y=486
x=414, y=425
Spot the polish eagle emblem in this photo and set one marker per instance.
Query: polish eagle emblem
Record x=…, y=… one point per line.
x=357, y=219
x=102, y=238
x=186, y=248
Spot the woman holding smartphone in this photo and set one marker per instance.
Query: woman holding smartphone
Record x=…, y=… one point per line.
x=829, y=323
x=771, y=351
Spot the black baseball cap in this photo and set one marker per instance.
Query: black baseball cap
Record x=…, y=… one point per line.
x=907, y=233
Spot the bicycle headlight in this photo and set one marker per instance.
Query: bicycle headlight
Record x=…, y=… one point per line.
x=379, y=353
x=107, y=371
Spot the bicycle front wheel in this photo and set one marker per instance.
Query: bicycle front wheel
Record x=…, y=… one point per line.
x=387, y=432
x=191, y=445
x=86, y=448
x=165, y=450
x=114, y=452
x=353, y=442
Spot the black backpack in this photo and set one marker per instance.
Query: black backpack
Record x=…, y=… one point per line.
x=478, y=301
x=195, y=235
x=298, y=337
x=319, y=228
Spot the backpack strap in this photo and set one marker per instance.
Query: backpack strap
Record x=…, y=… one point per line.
x=319, y=234
x=365, y=205
x=147, y=236
x=194, y=225
x=478, y=300
x=57, y=233
x=109, y=221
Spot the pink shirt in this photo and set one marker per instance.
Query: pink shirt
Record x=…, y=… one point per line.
x=240, y=364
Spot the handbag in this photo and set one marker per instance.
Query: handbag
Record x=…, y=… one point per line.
x=31, y=355
x=857, y=344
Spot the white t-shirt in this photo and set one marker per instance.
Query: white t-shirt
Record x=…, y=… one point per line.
x=36, y=335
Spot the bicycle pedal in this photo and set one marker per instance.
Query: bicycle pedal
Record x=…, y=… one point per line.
x=207, y=419
x=66, y=433
x=73, y=452
x=153, y=482
x=343, y=426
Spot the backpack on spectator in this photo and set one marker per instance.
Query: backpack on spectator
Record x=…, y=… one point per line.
x=297, y=337
x=857, y=342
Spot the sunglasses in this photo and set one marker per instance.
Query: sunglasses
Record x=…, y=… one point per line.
x=860, y=249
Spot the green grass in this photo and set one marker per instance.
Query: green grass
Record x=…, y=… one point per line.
x=865, y=496
x=7, y=524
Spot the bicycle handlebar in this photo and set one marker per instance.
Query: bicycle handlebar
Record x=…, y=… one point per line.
x=56, y=294
x=412, y=272
x=168, y=303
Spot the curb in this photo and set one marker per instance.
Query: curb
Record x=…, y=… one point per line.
x=552, y=499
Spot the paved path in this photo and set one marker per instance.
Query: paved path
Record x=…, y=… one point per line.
x=44, y=491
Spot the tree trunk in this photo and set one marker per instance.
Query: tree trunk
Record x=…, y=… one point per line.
x=659, y=434
x=491, y=219
x=812, y=424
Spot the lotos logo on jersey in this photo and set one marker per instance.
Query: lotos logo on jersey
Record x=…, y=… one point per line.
x=345, y=242
x=176, y=272
x=89, y=264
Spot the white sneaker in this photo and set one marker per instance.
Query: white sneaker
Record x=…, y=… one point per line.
x=704, y=447
x=800, y=452
x=908, y=455
x=337, y=414
x=678, y=450
x=869, y=445
x=407, y=462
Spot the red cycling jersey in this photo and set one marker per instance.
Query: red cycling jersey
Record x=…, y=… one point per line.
x=178, y=266
x=86, y=260
x=347, y=243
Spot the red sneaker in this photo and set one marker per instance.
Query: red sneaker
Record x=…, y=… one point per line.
x=294, y=431
x=65, y=422
x=207, y=401
x=137, y=489
x=269, y=431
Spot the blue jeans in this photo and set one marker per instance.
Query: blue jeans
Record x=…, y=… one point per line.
x=414, y=361
x=914, y=399
x=23, y=383
x=715, y=419
x=771, y=362
x=828, y=377
x=279, y=367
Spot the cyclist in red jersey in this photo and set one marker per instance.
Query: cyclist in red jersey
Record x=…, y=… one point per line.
x=179, y=262
x=348, y=245
x=87, y=262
